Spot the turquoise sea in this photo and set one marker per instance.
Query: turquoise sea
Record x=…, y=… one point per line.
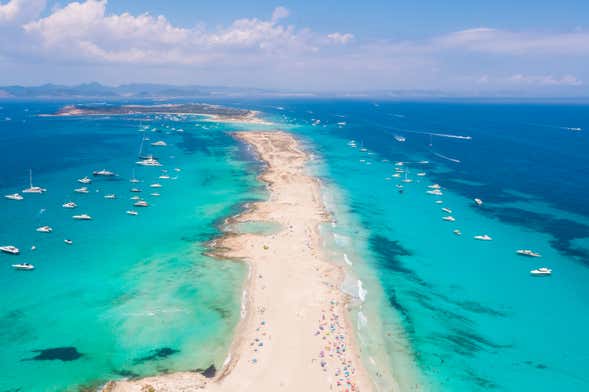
x=136, y=295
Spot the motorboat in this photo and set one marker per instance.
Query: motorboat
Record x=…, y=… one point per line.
x=141, y=203
x=164, y=177
x=435, y=192
x=23, y=267
x=449, y=218
x=84, y=180
x=159, y=143
x=14, y=196
x=155, y=185
x=527, y=252
x=177, y=169
x=44, y=229
x=111, y=196
x=478, y=201
x=421, y=174
x=10, y=249
x=81, y=190
x=434, y=186
x=155, y=194
x=135, y=198
x=69, y=242
x=400, y=139
x=542, y=271
x=135, y=190
x=32, y=188
x=457, y=232
x=103, y=173
x=483, y=237
x=447, y=210
x=131, y=212
x=69, y=204
x=149, y=161
x=439, y=201
x=82, y=217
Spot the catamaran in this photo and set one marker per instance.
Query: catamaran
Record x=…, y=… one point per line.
x=103, y=173
x=527, y=252
x=10, y=249
x=31, y=188
x=14, y=196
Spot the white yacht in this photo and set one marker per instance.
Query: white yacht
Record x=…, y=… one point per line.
x=141, y=203
x=14, y=196
x=164, y=177
x=69, y=242
x=478, y=201
x=447, y=210
x=159, y=143
x=435, y=192
x=131, y=212
x=44, y=229
x=400, y=139
x=111, y=196
x=103, y=173
x=81, y=190
x=457, y=232
x=23, y=267
x=10, y=249
x=82, y=217
x=527, y=252
x=155, y=185
x=84, y=180
x=542, y=271
x=449, y=218
x=149, y=161
x=69, y=204
x=31, y=188
x=483, y=237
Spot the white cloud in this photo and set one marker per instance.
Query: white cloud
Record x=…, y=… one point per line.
x=280, y=12
x=19, y=11
x=339, y=38
x=546, y=80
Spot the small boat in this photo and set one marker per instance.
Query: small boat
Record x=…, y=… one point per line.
x=155, y=194
x=10, y=249
x=82, y=217
x=141, y=203
x=434, y=186
x=135, y=198
x=134, y=180
x=131, y=212
x=527, y=252
x=44, y=229
x=156, y=185
x=31, y=188
x=483, y=237
x=435, y=192
x=439, y=201
x=457, y=232
x=406, y=179
x=159, y=143
x=478, y=202
x=23, y=267
x=135, y=190
x=164, y=177
x=396, y=175
x=149, y=161
x=14, y=196
x=111, y=196
x=69, y=204
x=84, y=180
x=449, y=218
x=447, y=210
x=177, y=169
x=421, y=174
x=400, y=139
x=69, y=242
x=542, y=271
x=103, y=173
x=81, y=190
x=33, y=247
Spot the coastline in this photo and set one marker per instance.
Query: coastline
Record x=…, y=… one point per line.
x=295, y=332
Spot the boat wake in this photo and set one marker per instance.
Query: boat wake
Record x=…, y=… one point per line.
x=445, y=157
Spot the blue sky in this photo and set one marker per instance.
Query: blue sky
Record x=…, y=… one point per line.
x=464, y=47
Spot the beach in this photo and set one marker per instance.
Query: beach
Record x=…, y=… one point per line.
x=294, y=333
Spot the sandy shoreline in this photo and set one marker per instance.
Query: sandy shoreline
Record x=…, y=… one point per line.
x=295, y=333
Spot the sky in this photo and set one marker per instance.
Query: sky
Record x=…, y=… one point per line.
x=463, y=47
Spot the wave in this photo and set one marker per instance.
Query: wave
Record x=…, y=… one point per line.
x=361, y=291
x=347, y=260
